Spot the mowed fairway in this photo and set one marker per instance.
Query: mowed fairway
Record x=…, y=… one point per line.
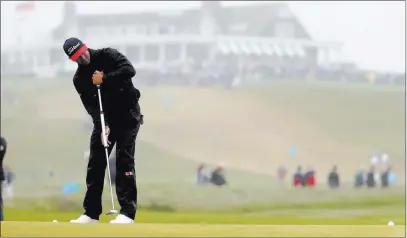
x=9, y=229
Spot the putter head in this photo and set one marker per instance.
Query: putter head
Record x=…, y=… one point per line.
x=111, y=212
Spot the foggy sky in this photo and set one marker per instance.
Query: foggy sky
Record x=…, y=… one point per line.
x=373, y=33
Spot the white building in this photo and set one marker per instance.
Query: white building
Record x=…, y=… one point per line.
x=152, y=39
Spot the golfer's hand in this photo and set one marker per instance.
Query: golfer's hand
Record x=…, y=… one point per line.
x=107, y=132
x=97, y=78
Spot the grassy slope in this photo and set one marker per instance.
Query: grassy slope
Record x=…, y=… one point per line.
x=165, y=173
x=201, y=125
x=253, y=128
x=372, y=118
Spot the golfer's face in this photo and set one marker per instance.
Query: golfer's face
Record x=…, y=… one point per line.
x=84, y=59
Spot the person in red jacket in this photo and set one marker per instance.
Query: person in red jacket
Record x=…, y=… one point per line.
x=298, y=179
x=310, y=178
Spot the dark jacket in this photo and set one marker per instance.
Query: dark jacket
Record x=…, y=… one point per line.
x=333, y=180
x=298, y=179
x=359, y=179
x=385, y=179
x=370, y=180
x=2, y=153
x=119, y=96
x=218, y=178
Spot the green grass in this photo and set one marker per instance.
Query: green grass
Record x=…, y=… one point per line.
x=145, y=216
x=366, y=216
x=366, y=118
x=371, y=117
x=177, y=230
x=170, y=204
x=364, y=210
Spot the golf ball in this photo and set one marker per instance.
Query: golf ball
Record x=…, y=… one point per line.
x=54, y=221
x=390, y=223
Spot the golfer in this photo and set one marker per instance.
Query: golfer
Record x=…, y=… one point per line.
x=111, y=70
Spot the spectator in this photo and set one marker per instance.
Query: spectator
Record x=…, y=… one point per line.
x=8, y=182
x=218, y=176
x=298, y=179
x=333, y=178
x=385, y=178
x=359, y=178
x=374, y=160
x=370, y=178
x=281, y=173
x=202, y=175
x=309, y=178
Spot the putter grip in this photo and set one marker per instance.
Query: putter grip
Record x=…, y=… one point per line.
x=102, y=120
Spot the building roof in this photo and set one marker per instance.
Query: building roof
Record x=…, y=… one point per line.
x=141, y=18
x=252, y=19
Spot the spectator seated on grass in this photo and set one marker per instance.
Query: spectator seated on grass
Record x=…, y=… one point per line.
x=218, y=176
x=202, y=175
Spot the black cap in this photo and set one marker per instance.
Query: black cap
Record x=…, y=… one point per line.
x=74, y=48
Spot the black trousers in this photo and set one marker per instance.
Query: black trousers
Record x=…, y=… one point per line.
x=126, y=188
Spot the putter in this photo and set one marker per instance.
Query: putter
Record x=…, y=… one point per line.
x=102, y=120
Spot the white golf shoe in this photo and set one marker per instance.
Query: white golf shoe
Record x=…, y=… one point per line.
x=84, y=219
x=122, y=219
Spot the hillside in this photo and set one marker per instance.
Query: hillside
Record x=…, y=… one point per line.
x=248, y=130
x=253, y=129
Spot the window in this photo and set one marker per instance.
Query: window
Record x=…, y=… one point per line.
x=171, y=29
x=198, y=51
x=154, y=29
x=238, y=28
x=93, y=32
x=115, y=31
x=152, y=53
x=172, y=52
x=133, y=53
x=163, y=30
x=131, y=30
x=141, y=29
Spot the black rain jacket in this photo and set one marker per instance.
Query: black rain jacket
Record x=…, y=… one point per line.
x=119, y=96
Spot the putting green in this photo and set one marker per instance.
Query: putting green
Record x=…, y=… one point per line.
x=140, y=229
